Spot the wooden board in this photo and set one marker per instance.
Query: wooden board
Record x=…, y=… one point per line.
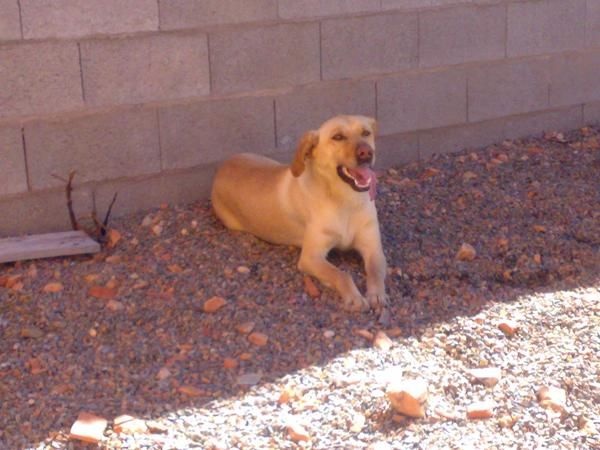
x=46, y=246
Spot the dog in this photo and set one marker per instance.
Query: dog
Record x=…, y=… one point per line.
x=323, y=200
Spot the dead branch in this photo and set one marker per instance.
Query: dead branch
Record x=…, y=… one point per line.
x=108, y=211
x=69, y=193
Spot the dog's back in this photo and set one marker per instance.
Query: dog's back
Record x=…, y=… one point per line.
x=246, y=196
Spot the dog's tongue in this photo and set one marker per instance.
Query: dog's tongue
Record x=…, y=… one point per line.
x=365, y=175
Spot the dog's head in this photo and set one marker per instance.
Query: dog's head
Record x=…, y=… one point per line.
x=342, y=149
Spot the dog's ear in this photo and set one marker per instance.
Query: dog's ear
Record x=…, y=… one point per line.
x=374, y=125
x=304, y=150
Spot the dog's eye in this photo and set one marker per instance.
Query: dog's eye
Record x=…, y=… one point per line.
x=366, y=133
x=338, y=137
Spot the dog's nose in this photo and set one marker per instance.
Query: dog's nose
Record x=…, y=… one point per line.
x=364, y=154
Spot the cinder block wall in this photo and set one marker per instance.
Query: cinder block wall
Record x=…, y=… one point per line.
x=144, y=97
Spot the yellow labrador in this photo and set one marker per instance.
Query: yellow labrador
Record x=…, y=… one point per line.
x=324, y=200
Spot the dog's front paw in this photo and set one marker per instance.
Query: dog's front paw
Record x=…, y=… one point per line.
x=377, y=300
x=354, y=303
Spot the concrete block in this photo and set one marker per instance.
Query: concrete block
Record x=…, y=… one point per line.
x=456, y=139
x=592, y=25
x=404, y=4
x=199, y=133
x=109, y=145
x=396, y=149
x=591, y=113
x=461, y=34
x=10, y=26
x=264, y=57
x=177, y=14
x=506, y=88
x=422, y=100
x=135, y=195
x=74, y=18
x=545, y=26
x=294, y=9
x=42, y=212
x=359, y=46
x=575, y=78
x=307, y=108
x=423, y=4
x=143, y=69
x=538, y=123
x=12, y=167
x=39, y=78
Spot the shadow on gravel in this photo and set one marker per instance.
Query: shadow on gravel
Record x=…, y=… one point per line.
x=144, y=346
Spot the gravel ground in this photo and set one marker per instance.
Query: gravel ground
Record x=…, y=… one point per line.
x=125, y=331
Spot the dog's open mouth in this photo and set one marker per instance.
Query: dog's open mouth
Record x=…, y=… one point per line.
x=361, y=178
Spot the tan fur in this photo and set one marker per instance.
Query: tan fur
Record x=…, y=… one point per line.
x=308, y=205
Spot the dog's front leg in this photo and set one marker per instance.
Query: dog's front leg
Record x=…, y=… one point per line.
x=368, y=244
x=313, y=261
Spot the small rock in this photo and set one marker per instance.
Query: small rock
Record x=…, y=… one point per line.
x=156, y=427
x=358, y=423
x=586, y=425
x=364, y=333
x=112, y=238
x=328, y=334
x=129, y=425
x=394, y=332
x=481, y=410
x=534, y=150
x=148, y=220
x=88, y=428
x=103, y=293
x=468, y=175
x=243, y=269
x=380, y=446
x=230, y=363
x=245, y=328
x=507, y=421
x=36, y=366
x=192, y=391
x=245, y=356
x=311, y=288
x=408, y=397
x=257, y=338
x=466, y=252
x=382, y=341
x=508, y=327
x=31, y=332
x=113, y=259
x=539, y=228
x=163, y=373
x=553, y=398
x=249, y=379
x=92, y=332
x=446, y=413
x=288, y=394
x=429, y=172
x=114, y=305
x=53, y=287
x=157, y=229
x=214, y=304
x=342, y=381
x=488, y=376
x=297, y=432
